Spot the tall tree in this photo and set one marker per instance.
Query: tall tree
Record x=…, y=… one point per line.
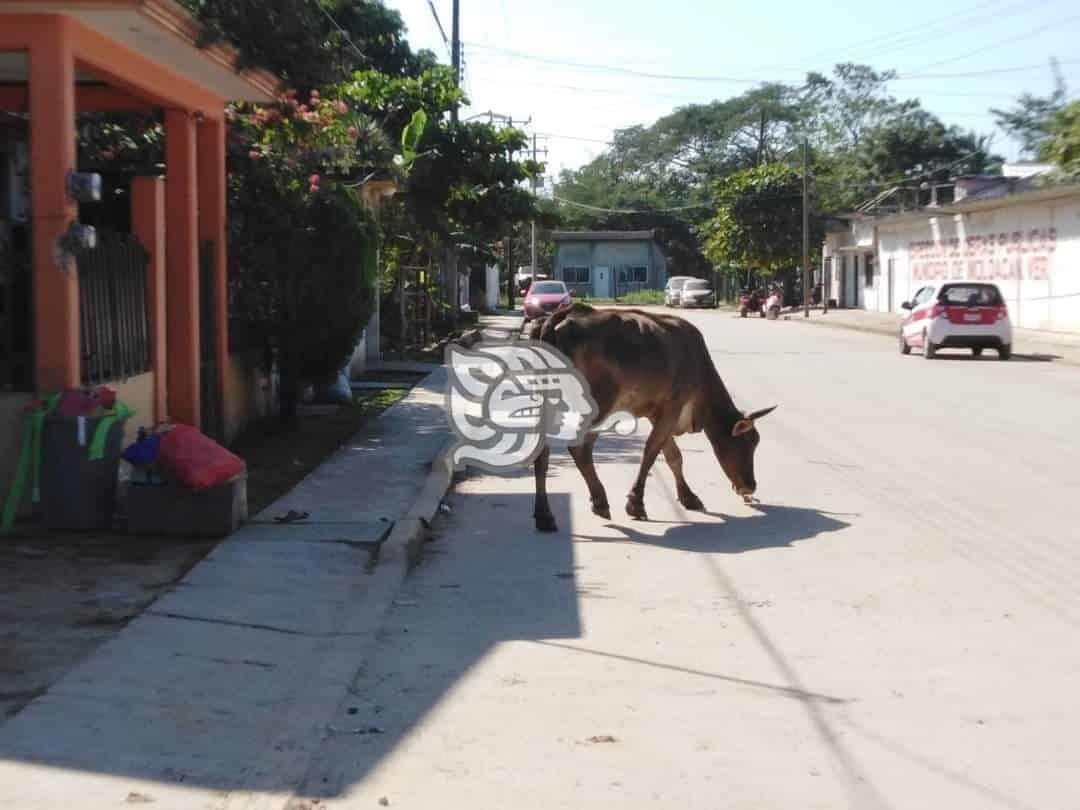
x=1062, y=143
x=1029, y=118
x=758, y=220
x=315, y=43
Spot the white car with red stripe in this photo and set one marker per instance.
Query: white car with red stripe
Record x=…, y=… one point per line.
x=957, y=315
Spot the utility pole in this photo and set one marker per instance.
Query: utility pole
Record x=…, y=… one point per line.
x=455, y=53
x=510, y=272
x=806, y=227
x=534, y=188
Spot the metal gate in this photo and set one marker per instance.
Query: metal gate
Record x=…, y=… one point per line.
x=114, y=326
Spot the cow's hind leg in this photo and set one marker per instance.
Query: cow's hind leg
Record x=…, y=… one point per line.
x=673, y=457
x=635, y=501
x=584, y=459
x=545, y=521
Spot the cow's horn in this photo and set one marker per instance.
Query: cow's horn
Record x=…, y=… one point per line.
x=753, y=417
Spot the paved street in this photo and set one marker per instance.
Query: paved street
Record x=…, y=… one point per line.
x=893, y=627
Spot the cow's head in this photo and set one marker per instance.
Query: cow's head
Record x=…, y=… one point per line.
x=734, y=446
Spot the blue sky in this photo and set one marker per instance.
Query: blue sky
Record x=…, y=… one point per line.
x=736, y=44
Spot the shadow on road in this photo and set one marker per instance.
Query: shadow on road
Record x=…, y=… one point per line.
x=774, y=527
x=991, y=357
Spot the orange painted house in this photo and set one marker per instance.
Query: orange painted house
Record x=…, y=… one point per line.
x=157, y=333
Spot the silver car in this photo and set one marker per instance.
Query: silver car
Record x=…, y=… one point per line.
x=673, y=290
x=697, y=292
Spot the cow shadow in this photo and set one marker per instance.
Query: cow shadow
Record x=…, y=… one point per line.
x=771, y=527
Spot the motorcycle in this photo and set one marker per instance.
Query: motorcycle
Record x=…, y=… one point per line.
x=749, y=301
x=773, y=304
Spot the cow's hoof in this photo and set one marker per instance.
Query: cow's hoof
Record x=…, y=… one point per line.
x=635, y=508
x=602, y=509
x=692, y=502
x=546, y=523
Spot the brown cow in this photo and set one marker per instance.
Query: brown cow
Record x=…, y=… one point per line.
x=654, y=366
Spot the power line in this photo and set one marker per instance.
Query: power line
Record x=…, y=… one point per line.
x=1007, y=41
x=971, y=74
x=600, y=210
x=575, y=138
x=614, y=68
x=438, y=22
x=914, y=74
x=340, y=30
x=883, y=40
x=968, y=20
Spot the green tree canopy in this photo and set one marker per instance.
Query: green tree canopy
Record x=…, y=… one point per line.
x=1062, y=143
x=758, y=220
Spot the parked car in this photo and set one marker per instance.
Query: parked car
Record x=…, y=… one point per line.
x=673, y=290
x=957, y=315
x=544, y=297
x=697, y=292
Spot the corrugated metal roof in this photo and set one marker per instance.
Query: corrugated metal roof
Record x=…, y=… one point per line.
x=602, y=236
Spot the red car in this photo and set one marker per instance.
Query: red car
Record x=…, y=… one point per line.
x=544, y=297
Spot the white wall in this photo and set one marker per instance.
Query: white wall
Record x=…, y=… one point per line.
x=491, y=289
x=1031, y=251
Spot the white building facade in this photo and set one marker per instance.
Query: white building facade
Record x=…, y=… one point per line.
x=1027, y=243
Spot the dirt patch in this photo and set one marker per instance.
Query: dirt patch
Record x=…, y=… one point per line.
x=62, y=595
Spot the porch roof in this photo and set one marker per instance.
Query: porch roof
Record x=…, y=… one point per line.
x=157, y=30
x=602, y=236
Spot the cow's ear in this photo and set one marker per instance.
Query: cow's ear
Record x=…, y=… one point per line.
x=753, y=417
x=742, y=426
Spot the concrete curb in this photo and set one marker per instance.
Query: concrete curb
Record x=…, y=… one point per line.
x=403, y=545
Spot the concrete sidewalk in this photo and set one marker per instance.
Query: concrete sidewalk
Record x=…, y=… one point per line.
x=213, y=696
x=1059, y=346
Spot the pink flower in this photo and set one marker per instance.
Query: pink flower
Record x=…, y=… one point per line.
x=341, y=107
x=254, y=154
x=313, y=180
x=107, y=154
x=314, y=95
x=354, y=132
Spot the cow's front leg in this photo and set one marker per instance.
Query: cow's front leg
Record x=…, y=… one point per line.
x=545, y=521
x=673, y=457
x=583, y=457
x=635, y=501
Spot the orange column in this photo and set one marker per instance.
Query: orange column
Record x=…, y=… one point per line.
x=148, y=225
x=212, y=214
x=182, y=268
x=52, y=156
